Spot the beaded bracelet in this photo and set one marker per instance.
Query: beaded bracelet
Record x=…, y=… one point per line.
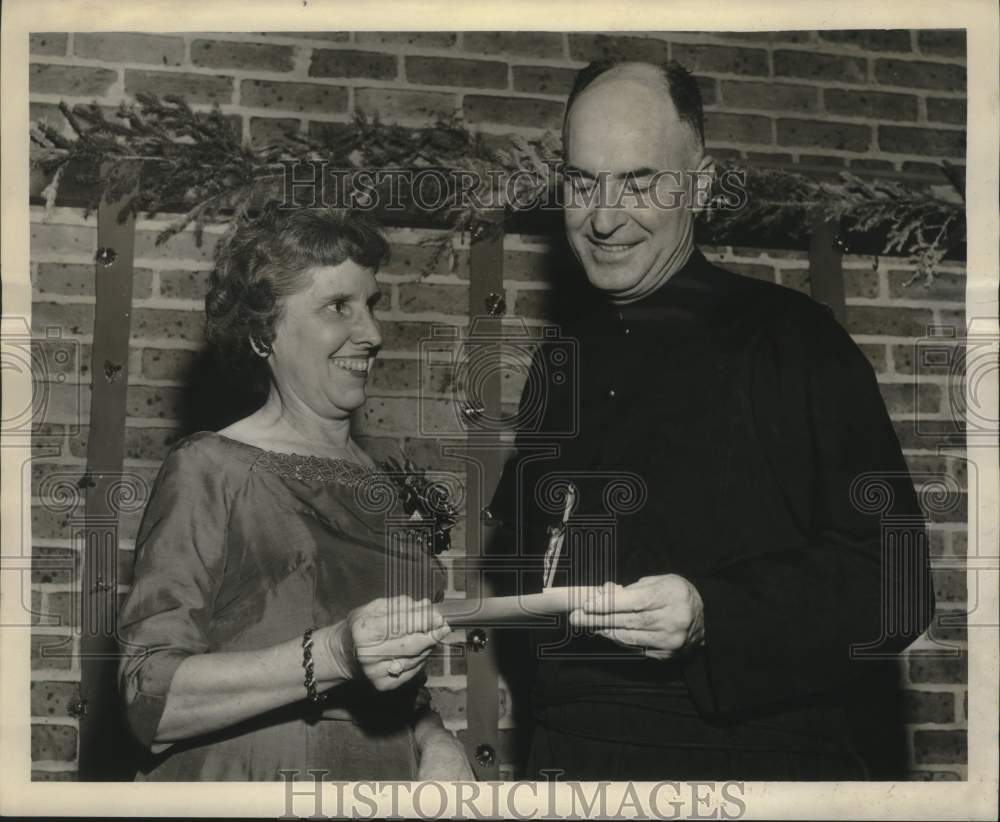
x=307, y=663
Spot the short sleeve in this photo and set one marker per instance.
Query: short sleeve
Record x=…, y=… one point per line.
x=179, y=562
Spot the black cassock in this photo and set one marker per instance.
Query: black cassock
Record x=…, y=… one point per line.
x=729, y=431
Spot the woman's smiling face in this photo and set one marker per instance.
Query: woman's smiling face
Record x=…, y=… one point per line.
x=326, y=339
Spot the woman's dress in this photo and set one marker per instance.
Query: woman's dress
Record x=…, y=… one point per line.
x=240, y=549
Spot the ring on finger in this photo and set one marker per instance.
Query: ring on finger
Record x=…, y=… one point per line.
x=395, y=668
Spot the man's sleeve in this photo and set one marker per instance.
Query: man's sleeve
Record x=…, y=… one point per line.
x=785, y=624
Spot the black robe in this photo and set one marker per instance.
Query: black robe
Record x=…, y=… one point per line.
x=729, y=431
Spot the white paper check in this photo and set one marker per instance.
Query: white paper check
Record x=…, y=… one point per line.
x=524, y=607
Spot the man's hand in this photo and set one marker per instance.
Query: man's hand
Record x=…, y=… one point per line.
x=662, y=614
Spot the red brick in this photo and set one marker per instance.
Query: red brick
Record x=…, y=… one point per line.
x=907, y=356
x=53, y=742
x=62, y=608
x=878, y=105
x=51, y=652
x=767, y=36
x=403, y=336
x=54, y=776
x=824, y=134
x=933, y=707
x=158, y=402
x=413, y=260
x=536, y=304
x=876, y=355
x=863, y=164
x=933, y=776
x=70, y=318
x=351, y=63
x=737, y=128
x=513, y=111
x=184, y=246
x=861, y=282
x=543, y=79
x=920, y=74
x=943, y=42
x=528, y=265
x=293, y=96
x=947, y=110
x=50, y=478
x=121, y=47
x=753, y=270
x=908, y=398
x=587, y=47
x=427, y=452
x=930, y=142
x=397, y=375
x=770, y=157
x=72, y=81
x=769, y=96
x=721, y=59
x=707, y=89
x=46, y=440
x=242, y=55
x=929, y=435
x=77, y=279
x=164, y=324
x=956, y=469
x=932, y=171
x=446, y=71
x=55, y=565
x=148, y=444
x=442, y=299
x=949, y=507
x=49, y=43
x=946, y=285
x=950, y=585
x=896, y=322
x=949, y=625
x=519, y=43
x=184, y=284
x=391, y=103
x=421, y=39
x=938, y=668
x=940, y=747
x=52, y=358
x=167, y=363
x=52, y=698
x=195, y=88
x=265, y=130
x=809, y=65
x=870, y=39
x=330, y=36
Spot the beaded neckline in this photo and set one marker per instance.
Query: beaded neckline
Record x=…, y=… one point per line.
x=305, y=467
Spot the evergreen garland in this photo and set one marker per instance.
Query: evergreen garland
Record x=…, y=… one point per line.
x=208, y=169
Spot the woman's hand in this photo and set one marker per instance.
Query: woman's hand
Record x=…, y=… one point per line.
x=386, y=641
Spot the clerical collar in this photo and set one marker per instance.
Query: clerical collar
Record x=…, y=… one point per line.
x=694, y=280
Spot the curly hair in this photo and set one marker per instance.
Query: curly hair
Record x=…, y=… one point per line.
x=268, y=258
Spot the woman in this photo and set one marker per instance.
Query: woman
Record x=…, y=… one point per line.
x=259, y=635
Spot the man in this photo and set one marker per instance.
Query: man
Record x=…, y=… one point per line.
x=747, y=570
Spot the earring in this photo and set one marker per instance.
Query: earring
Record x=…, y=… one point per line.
x=260, y=348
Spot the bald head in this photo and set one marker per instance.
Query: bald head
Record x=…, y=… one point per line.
x=666, y=92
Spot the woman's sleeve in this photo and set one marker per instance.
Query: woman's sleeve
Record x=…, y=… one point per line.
x=788, y=622
x=179, y=561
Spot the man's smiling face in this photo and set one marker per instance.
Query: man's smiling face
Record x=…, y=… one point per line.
x=625, y=126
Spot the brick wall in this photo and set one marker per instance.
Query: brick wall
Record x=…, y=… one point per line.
x=875, y=100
